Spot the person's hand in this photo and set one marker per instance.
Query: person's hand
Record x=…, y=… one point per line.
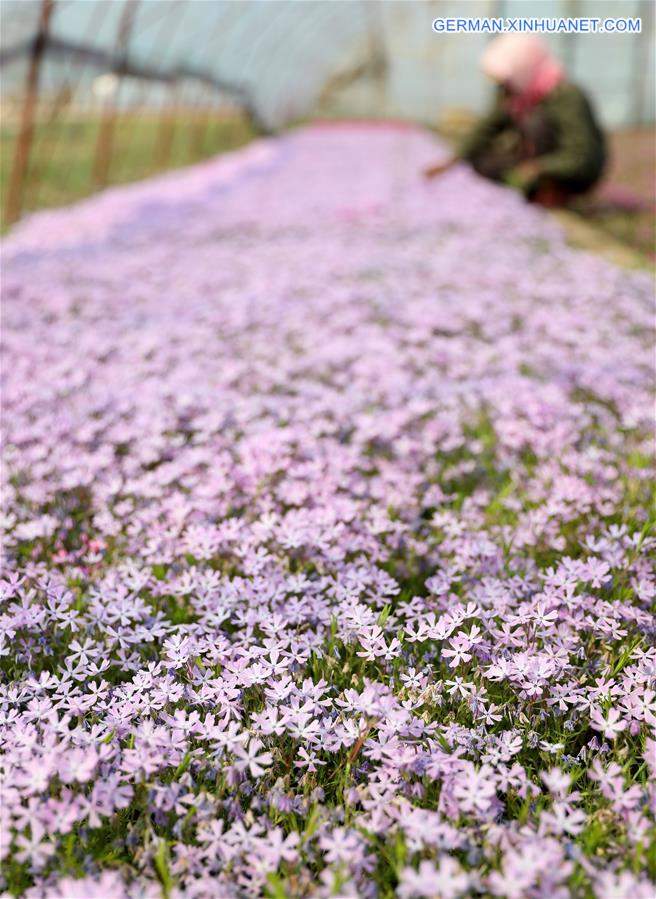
x=433, y=170
x=522, y=175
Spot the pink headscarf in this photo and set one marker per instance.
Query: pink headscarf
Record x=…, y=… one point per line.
x=524, y=63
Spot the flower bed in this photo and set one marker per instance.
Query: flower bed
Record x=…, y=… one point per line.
x=327, y=548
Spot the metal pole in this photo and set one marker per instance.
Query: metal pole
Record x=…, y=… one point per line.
x=644, y=42
x=45, y=147
x=166, y=129
x=26, y=131
x=106, y=131
x=198, y=128
x=569, y=41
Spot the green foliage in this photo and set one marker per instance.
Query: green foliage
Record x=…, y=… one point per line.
x=63, y=152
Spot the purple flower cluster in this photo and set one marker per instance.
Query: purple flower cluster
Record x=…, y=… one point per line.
x=328, y=569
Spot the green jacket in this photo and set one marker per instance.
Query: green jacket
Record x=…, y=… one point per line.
x=579, y=152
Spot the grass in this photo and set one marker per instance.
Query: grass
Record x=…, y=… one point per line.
x=61, y=168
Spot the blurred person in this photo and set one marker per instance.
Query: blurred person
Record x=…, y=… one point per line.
x=541, y=135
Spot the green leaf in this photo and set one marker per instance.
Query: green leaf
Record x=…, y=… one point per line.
x=162, y=868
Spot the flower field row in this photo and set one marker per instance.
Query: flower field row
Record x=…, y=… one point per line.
x=328, y=564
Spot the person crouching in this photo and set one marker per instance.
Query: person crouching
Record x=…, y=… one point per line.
x=541, y=134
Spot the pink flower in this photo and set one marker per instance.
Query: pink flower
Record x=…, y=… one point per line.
x=249, y=757
x=556, y=781
x=611, y=726
x=447, y=881
x=475, y=789
x=35, y=848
